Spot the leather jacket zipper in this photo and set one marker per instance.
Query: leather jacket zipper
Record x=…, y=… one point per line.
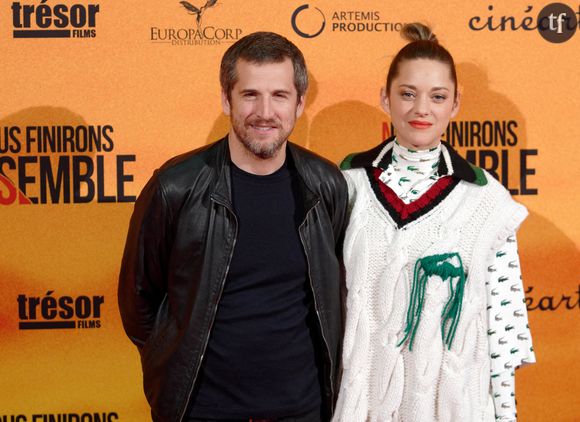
x=214, y=311
x=314, y=299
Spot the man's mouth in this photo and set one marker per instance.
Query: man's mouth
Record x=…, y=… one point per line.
x=263, y=126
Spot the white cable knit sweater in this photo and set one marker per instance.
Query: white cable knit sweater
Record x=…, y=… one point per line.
x=385, y=382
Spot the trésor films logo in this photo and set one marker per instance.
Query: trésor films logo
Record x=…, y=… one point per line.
x=54, y=19
x=52, y=311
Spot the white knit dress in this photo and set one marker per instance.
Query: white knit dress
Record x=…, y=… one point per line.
x=384, y=380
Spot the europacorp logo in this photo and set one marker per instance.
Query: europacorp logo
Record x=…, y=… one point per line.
x=555, y=22
x=44, y=19
x=199, y=33
x=309, y=21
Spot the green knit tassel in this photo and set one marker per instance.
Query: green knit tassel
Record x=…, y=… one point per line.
x=436, y=265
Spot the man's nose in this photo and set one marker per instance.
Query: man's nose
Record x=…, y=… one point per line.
x=265, y=109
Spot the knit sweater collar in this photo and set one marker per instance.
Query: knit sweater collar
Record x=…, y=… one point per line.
x=420, y=164
x=450, y=164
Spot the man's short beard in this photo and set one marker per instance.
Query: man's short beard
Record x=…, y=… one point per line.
x=261, y=150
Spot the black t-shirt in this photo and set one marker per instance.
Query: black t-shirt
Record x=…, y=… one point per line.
x=261, y=357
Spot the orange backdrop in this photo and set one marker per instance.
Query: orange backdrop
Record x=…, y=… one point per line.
x=86, y=118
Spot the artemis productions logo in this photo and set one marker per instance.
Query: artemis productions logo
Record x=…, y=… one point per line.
x=54, y=20
x=555, y=22
x=200, y=34
x=316, y=32
x=310, y=22
x=62, y=165
x=52, y=312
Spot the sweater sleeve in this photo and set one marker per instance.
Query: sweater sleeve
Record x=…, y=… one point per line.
x=510, y=342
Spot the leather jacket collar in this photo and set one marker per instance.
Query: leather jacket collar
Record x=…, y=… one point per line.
x=222, y=190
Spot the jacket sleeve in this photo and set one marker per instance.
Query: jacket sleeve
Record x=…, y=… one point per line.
x=340, y=217
x=143, y=275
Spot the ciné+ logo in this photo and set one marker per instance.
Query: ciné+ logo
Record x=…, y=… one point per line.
x=556, y=22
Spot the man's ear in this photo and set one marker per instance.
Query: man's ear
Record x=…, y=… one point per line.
x=300, y=106
x=385, y=105
x=226, y=107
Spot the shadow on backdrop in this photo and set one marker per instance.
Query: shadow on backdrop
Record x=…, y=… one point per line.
x=12, y=148
x=346, y=127
x=493, y=127
x=63, y=246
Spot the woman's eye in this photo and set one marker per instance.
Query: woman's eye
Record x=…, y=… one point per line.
x=439, y=98
x=407, y=94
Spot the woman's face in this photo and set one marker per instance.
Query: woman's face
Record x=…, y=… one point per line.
x=421, y=102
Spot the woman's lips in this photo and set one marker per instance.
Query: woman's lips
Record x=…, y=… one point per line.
x=420, y=125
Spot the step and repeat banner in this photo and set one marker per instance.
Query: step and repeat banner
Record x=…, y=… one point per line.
x=96, y=94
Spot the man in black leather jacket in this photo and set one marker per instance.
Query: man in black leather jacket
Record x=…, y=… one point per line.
x=230, y=281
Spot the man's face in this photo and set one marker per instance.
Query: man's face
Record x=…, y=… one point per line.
x=263, y=106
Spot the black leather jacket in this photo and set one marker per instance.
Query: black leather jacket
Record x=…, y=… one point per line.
x=179, y=246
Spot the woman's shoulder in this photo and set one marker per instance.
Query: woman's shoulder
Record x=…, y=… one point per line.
x=374, y=157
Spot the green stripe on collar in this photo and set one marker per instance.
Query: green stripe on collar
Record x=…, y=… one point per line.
x=347, y=162
x=480, y=179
